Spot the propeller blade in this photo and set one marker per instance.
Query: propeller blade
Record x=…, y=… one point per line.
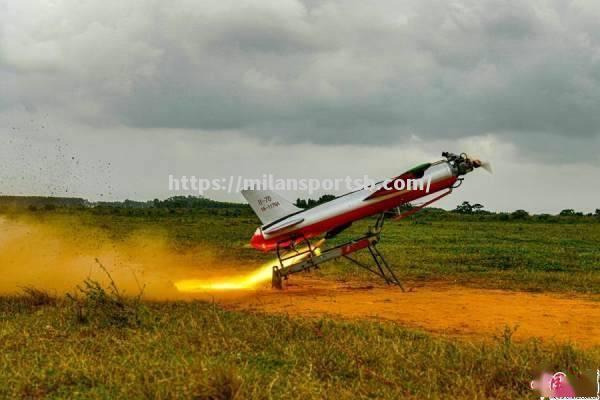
x=487, y=166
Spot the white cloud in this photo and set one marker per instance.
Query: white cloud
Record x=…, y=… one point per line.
x=325, y=77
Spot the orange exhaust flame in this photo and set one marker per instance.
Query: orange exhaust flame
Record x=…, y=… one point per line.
x=249, y=281
x=243, y=282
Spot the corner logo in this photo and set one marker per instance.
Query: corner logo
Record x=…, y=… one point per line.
x=559, y=386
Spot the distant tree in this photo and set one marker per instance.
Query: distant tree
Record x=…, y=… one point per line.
x=597, y=212
x=468, y=208
x=464, y=208
x=568, y=212
x=519, y=214
x=129, y=203
x=477, y=208
x=406, y=207
x=39, y=202
x=325, y=198
x=301, y=203
x=190, y=202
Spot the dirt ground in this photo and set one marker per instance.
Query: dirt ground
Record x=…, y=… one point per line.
x=35, y=255
x=438, y=308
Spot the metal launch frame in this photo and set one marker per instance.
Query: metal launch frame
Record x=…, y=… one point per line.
x=293, y=260
x=311, y=257
x=308, y=257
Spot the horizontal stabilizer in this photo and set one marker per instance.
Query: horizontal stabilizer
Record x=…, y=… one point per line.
x=268, y=205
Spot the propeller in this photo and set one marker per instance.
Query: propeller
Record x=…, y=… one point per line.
x=486, y=165
x=464, y=164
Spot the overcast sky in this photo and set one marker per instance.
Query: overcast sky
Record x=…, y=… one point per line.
x=104, y=100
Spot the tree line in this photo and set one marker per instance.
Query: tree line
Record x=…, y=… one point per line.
x=34, y=203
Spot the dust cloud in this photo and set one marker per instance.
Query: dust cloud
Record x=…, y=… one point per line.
x=57, y=258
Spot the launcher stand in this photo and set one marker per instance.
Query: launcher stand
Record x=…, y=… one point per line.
x=291, y=260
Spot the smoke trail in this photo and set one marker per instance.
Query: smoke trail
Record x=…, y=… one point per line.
x=52, y=257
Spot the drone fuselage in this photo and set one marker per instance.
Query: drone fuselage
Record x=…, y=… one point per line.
x=354, y=206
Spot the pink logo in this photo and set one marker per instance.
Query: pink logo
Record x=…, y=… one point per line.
x=556, y=385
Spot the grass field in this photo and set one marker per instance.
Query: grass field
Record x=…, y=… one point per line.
x=102, y=345
x=196, y=350
x=528, y=255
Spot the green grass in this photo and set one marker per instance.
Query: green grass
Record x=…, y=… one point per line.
x=103, y=346
x=533, y=255
x=510, y=255
x=196, y=350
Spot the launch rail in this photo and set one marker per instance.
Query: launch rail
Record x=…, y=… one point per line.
x=291, y=260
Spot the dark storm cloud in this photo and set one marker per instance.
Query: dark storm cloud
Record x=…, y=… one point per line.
x=325, y=72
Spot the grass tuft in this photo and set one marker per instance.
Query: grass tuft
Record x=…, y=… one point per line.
x=37, y=297
x=222, y=383
x=106, y=306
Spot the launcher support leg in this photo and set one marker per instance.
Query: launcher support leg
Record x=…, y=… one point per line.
x=307, y=259
x=392, y=278
x=378, y=224
x=276, y=280
x=383, y=268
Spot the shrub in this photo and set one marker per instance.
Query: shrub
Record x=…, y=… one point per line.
x=106, y=306
x=519, y=214
x=221, y=384
x=38, y=297
x=503, y=217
